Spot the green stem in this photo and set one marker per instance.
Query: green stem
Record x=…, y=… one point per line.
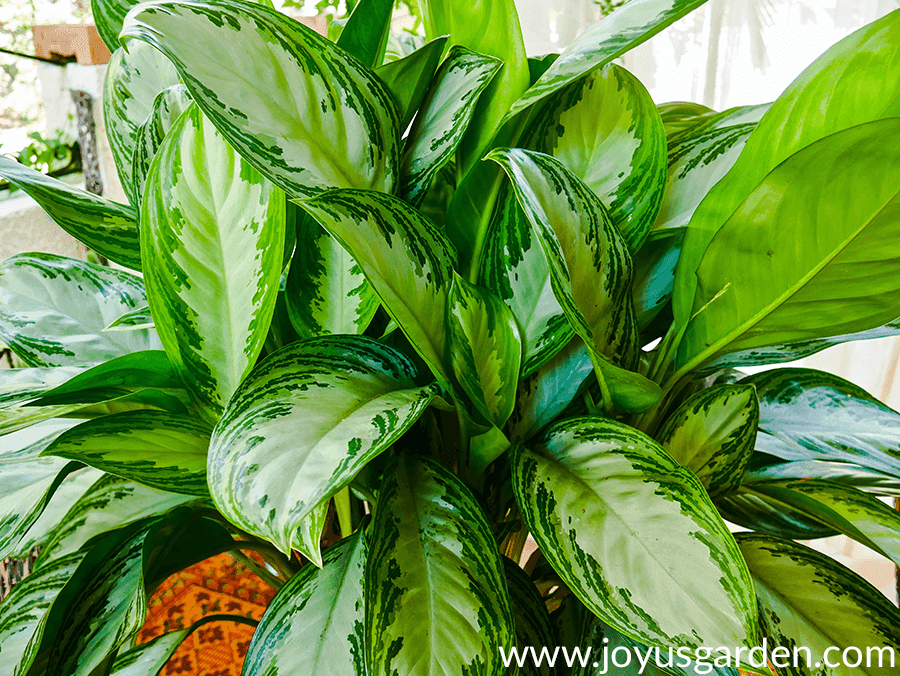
x=344, y=512
x=259, y=571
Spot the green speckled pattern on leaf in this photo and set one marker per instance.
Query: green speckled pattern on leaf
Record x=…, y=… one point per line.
x=634, y=535
x=436, y=597
x=301, y=426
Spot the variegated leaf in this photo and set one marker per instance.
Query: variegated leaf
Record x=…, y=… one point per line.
x=29, y=480
x=620, y=154
x=844, y=473
x=409, y=78
x=430, y=536
x=713, y=434
x=443, y=118
x=158, y=449
x=844, y=509
x=286, y=107
x=634, y=535
x=326, y=290
x=682, y=116
x=20, y=385
x=133, y=321
x=108, y=16
x=109, y=504
x=808, y=599
x=212, y=237
x=622, y=30
x=490, y=28
x=309, y=533
x=53, y=310
x=696, y=163
x=683, y=120
x=101, y=606
x=315, y=623
x=73, y=487
x=515, y=268
x=532, y=621
x=654, y=276
x=838, y=91
x=590, y=270
x=813, y=415
x=106, y=227
x=301, y=426
x=547, y=392
x=406, y=259
x=752, y=509
x=485, y=349
x=135, y=76
x=22, y=612
x=148, y=137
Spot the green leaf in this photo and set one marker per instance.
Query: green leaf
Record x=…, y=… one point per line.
x=809, y=240
x=167, y=108
x=443, y=118
x=813, y=415
x=546, y=393
x=590, y=270
x=108, y=16
x=315, y=623
x=712, y=434
x=492, y=29
x=135, y=77
x=430, y=536
x=654, y=276
x=842, y=88
x=286, y=107
x=301, y=426
x=532, y=621
x=696, y=163
x=133, y=321
x=807, y=599
x=158, y=449
x=406, y=259
x=73, y=487
x=111, y=503
x=212, y=238
x=409, y=78
x=22, y=612
x=844, y=473
x=53, y=310
x=634, y=535
x=309, y=533
x=620, y=155
x=366, y=31
x=778, y=354
x=682, y=116
x=137, y=370
x=844, y=509
x=749, y=508
x=106, y=227
x=19, y=385
x=101, y=606
x=485, y=349
x=29, y=481
x=627, y=27
x=326, y=290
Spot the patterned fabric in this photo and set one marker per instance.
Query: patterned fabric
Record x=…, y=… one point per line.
x=217, y=585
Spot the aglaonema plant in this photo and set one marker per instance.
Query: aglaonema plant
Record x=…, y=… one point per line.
x=401, y=320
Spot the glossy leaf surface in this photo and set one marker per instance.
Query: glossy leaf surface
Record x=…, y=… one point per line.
x=590, y=482
x=430, y=536
x=212, y=238
x=301, y=426
x=288, y=97
x=409, y=78
x=155, y=448
x=53, y=310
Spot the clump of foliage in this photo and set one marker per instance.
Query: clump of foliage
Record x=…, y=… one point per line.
x=432, y=307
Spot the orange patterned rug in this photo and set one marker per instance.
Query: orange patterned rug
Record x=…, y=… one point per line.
x=215, y=586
